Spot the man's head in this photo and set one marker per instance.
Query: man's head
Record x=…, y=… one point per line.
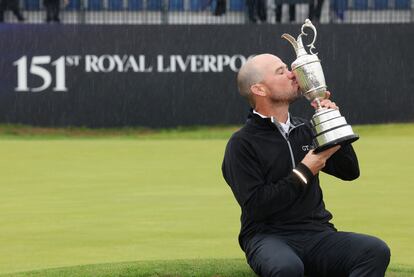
x=266, y=78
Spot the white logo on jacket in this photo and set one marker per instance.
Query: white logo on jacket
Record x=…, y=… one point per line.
x=307, y=147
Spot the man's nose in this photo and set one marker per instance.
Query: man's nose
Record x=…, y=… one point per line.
x=291, y=75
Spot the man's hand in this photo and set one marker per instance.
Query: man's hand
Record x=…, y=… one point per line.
x=315, y=162
x=326, y=103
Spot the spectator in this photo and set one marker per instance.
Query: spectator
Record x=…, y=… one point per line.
x=256, y=7
x=220, y=8
x=53, y=9
x=315, y=12
x=13, y=5
x=278, y=11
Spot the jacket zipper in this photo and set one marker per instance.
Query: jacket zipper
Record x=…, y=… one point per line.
x=286, y=136
x=291, y=152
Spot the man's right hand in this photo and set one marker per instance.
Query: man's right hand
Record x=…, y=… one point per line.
x=315, y=162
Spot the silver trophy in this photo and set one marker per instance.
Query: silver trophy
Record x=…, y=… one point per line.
x=328, y=126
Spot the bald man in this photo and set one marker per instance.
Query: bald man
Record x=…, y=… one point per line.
x=273, y=173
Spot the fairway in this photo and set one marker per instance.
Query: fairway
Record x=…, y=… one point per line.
x=91, y=200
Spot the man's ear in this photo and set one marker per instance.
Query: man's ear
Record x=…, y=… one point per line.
x=258, y=90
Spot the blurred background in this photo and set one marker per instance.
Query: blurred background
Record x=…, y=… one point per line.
x=215, y=11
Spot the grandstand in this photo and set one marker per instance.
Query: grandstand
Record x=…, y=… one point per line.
x=201, y=11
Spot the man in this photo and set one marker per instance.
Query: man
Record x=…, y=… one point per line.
x=53, y=10
x=274, y=176
x=13, y=5
x=315, y=11
x=220, y=8
x=278, y=11
x=256, y=7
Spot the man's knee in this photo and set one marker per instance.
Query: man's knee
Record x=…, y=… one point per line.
x=377, y=251
x=270, y=256
x=381, y=252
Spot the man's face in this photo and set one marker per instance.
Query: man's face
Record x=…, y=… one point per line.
x=280, y=83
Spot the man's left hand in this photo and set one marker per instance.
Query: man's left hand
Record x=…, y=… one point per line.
x=326, y=103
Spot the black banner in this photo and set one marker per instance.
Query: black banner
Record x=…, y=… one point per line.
x=166, y=76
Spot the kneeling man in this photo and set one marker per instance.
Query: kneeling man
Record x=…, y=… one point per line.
x=273, y=173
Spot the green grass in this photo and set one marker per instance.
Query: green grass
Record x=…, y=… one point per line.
x=105, y=197
x=181, y=268
x=195, y=132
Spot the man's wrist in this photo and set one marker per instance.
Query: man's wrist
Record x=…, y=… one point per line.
x=303, y=173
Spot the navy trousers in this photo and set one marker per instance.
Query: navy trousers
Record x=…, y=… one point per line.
x=327, y=253
x=52, y=10
x=13, y=5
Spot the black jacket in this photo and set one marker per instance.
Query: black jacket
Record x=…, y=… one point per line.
x=258, y=166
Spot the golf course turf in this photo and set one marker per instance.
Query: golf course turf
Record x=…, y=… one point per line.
x=136, y=202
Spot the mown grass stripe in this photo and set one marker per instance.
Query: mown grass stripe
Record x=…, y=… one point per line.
x=191, y=132
x=176, y=268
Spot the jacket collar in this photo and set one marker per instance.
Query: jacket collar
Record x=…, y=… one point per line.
x=270, y=122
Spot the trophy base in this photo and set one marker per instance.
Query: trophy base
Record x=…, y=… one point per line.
x=330, y=129
x=340, y=141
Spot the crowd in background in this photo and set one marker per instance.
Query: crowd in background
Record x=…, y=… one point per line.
x=52, y=8
x=200, y=11
x=257, y=10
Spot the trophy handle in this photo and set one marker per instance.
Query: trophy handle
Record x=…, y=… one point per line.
x=309, y=24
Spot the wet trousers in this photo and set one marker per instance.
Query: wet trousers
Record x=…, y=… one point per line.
x=52, y=10
x=278, y=12
x=315, y=12
x=256, y=7
x=327, y=253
